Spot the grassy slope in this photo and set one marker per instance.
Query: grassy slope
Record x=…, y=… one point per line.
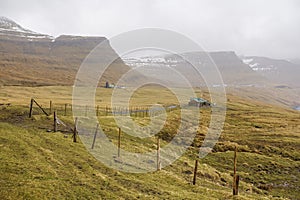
x=38, y=164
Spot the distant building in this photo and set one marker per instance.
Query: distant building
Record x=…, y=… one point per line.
x=107, y=85
x=199, y=102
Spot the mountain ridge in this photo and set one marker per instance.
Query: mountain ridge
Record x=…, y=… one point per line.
x=11, y=30
x=279, y=71
x=227, y=62
x=22, y=50
x=34, y=59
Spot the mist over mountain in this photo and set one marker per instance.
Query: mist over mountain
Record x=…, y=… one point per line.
x=30, y=58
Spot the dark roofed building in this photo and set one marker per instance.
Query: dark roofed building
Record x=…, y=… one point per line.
x=199, y=102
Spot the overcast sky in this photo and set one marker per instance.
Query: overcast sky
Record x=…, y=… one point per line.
x=250, y=27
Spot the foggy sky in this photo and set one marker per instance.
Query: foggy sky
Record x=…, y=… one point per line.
x=250, y=27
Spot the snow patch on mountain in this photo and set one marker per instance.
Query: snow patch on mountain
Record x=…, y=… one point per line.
x=256, y=66
x=143, y=61
x=247, y=61
x=10, y=25
x=11, y=29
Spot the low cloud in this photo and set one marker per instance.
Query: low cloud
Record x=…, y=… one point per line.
x=252, y=27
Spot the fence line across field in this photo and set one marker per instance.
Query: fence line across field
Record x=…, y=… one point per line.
x=137, y=111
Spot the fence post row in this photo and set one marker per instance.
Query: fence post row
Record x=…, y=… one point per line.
x=132, y=111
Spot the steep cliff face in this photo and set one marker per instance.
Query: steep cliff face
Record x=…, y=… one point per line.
x=30, y=58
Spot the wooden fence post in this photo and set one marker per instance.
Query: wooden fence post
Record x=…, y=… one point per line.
x=235, y=178
x=66, y=109
x=96, y=131
x=50, y=106
x=54, y=122
x=195, y=172
x=158, y=155
x=75, y=130
x=119, y=142
x=97, y=112
x=30, y=109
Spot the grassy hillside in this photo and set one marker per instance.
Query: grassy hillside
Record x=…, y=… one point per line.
x=48, y=61
x=37, y=164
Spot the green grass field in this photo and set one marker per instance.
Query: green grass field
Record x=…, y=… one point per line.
x=37, y=164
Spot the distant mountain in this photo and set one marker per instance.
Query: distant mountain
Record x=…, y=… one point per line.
x=30, y=58
x=277, y=71
x=10, y=29
x=234, y=72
